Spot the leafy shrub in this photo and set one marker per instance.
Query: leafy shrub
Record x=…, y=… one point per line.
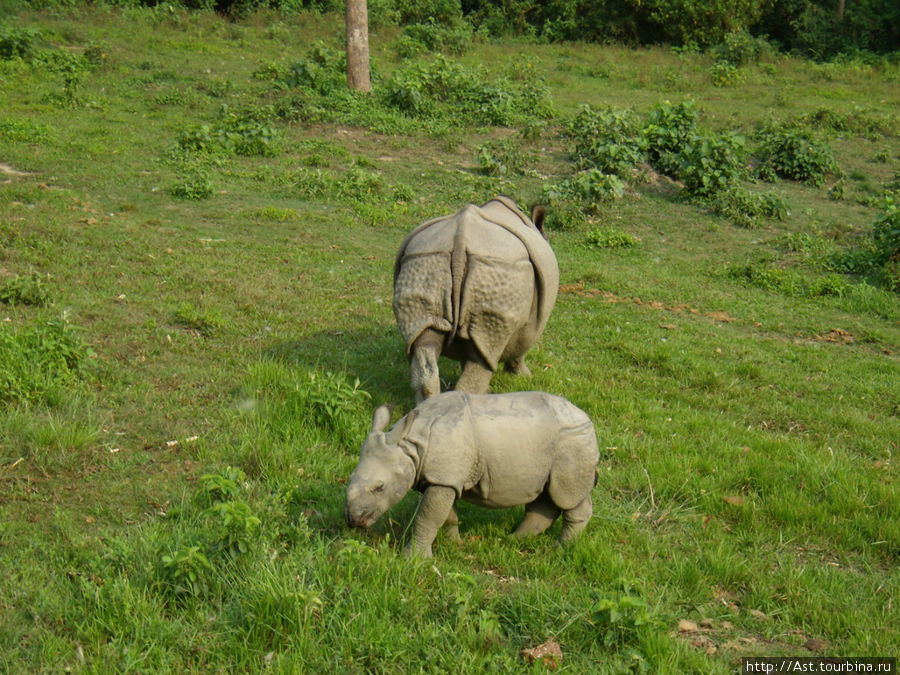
x=669, y=130
x=590, y=189
x=323, y=70
x=18, y=43
x=796, y=154
x=38, y=362
x=234, y=528
x=607, y=139
x=30, y=290
x=240, y=134
x=711, y=163
x=739, y=48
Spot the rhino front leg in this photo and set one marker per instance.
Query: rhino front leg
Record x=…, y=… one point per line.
x=434, y=510
x=576, y=519
x=426, y=380
x=476, y=375
x=539, y=515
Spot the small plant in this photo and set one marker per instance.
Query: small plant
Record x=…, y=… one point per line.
x=17, y=43
x=611, y=238
x=622, y=616
x=220, y=487
x=591, y=189
x=30, y=290
x=185, y=571
x=331, y=401
x=236, y=528
x=23, y=131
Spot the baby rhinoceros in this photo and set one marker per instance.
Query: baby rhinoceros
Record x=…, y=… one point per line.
x=495, y=450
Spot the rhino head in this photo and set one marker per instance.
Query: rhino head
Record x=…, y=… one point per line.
x=385, y=473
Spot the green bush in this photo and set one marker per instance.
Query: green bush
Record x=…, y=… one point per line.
x=796, y=154
x=739, y=48
x=726, y=74
x=712, y=163
x=669, y=130
x=18, y=43
x=590, y=189
x=607, y=139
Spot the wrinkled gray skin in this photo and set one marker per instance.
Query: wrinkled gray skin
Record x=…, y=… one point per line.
x=495, y=450
x=478, y=287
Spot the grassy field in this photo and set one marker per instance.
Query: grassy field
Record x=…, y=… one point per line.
x=197, y=230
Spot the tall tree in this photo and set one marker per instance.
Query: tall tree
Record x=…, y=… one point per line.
x=358, y=46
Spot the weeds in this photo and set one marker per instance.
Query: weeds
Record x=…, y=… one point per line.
x=30, y=290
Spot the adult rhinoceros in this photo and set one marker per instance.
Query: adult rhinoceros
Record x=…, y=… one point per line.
x=477, y=286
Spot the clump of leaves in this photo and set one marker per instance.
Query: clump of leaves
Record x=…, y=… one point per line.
x=739, y=48
x=502, y=157
x=185, y=571
x=746, y=208
x=30, y=290
x=18, y=43
x=795, y=154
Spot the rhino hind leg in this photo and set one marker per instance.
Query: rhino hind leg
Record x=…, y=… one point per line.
x=576, y=519
x=452, y=525
x=539, y=515
x=423, y=364
x=517, y=366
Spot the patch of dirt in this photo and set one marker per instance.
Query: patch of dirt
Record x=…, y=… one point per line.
x=722, y=637
x=7, y=170
x=579, y=290
x=837, y=336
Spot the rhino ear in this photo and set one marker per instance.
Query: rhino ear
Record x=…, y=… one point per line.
x=381, y=418
x=538, y=213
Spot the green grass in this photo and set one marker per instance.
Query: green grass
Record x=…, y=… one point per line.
x=194, y=336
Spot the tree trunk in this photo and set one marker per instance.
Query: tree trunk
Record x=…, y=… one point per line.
x=840, y=12
x=358, y=46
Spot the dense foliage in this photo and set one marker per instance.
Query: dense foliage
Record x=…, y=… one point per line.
x=814, y=27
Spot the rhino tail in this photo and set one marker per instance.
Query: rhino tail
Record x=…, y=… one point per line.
x=459, y=264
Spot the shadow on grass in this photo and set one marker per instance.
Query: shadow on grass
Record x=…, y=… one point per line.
x=373, y=353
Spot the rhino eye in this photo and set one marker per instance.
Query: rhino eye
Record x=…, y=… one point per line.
x=378, y=488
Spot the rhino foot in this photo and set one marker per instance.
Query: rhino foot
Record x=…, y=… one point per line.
x=539, y=515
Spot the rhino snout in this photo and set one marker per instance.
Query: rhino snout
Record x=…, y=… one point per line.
x=360, y=510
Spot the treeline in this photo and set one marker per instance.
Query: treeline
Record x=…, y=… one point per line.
x=818, y=28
